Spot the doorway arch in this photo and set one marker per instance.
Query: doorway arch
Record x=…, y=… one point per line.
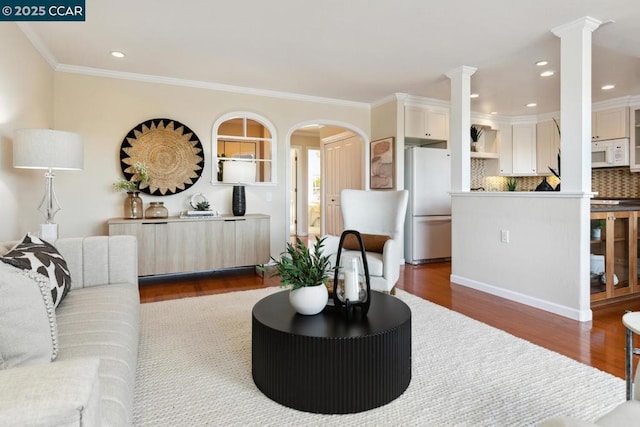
x=303, y=197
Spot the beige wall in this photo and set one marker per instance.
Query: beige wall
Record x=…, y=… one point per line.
x=103, y=110
x=26, y=100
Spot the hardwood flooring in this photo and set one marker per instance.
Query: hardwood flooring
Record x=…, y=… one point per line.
x=599, y=343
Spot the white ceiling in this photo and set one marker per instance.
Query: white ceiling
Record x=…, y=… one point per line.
x=355, y=50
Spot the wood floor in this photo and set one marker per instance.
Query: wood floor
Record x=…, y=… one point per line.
x=599, y=343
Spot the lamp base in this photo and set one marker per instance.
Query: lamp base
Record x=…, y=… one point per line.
x=49, y=232
x=238, y=201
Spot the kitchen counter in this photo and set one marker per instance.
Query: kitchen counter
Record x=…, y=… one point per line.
x=621, y=205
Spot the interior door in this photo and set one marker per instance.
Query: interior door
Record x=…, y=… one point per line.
x=331, y=175
x=342, y=168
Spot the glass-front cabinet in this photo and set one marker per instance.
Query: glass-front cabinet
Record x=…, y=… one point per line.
x=614, y=249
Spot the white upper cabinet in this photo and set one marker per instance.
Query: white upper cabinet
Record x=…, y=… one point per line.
x=426, y=123
x=547, y=146
x=519, y=157
x=610, y=124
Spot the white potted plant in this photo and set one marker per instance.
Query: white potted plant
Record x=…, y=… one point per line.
x=306, y=273
x=475, y=133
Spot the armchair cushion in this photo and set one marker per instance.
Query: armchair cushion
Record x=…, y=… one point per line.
x=371, y=242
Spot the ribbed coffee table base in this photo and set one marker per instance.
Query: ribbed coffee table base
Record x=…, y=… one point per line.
x=326, y=364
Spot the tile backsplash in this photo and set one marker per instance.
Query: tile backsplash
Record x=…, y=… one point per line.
x=607, y=182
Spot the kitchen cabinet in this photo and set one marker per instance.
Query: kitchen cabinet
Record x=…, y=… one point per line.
x=547, y=146
x=610, y=124
x=634, y=145
x=426, y=123
x=614, y=263
x=519, y=157
x=184, y=245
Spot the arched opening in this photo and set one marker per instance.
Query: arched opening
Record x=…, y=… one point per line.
x=331, y=156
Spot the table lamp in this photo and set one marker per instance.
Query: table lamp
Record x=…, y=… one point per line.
x=239, y=172
x=50, y=150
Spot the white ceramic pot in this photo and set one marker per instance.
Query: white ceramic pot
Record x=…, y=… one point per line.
x=309, y=300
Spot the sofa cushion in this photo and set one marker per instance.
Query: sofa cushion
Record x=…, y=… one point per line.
x=103, y=322
x=28, y=330
x=32, y=253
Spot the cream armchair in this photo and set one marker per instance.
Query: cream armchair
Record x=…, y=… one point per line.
x=379, y=213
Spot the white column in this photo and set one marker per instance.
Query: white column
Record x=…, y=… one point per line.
x=459, y=125
x=575, y=103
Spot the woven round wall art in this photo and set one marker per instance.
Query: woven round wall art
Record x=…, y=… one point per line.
x=172, y=152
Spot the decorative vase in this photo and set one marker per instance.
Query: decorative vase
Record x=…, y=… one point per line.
x=544, y=185
x=156, y=210
x=309, y=300
x=133, y=205
x=596, y=234
x=238, y=201
x=474, y=146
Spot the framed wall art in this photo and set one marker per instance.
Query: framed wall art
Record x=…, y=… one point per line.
x=382, y=175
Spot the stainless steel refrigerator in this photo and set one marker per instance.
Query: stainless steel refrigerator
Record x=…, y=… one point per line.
x=427, y=236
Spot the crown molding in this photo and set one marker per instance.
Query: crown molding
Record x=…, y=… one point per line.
x=36, y=41
x=148, y=78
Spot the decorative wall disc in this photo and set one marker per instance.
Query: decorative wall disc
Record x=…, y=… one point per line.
x=172, y=152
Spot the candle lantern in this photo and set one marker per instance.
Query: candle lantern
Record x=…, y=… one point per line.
x=352, y=287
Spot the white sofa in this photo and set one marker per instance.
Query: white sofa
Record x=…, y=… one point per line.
x=91, y=382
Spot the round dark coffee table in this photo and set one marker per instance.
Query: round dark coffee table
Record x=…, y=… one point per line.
x=326, y=363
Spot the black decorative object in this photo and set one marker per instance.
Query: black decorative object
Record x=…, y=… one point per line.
x=238, y=201
x=172, y=152
x=344, y=301
x=544, y=185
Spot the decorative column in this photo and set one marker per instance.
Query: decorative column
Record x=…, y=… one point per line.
x=575, y=103
x=459, y=125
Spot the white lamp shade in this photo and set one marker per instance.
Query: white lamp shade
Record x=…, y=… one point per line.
x=239, y=172
x=47, y=148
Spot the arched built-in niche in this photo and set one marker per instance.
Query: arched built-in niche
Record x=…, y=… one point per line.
x=245, y=138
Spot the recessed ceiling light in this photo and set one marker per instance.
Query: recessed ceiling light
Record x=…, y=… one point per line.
x=531, y=104
x=547, y=73
x=542, y=63
x=494, y=112
x=607, y=87
x=117, y=54
x=474, y=95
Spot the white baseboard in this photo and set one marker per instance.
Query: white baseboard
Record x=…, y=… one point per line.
x=561, y=310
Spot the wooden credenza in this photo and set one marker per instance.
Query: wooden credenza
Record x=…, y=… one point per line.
x=181, y=245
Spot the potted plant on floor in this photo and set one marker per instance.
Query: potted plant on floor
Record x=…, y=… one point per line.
x=306, y=273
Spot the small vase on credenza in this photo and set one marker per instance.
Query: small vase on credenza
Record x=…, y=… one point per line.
x=133, y=205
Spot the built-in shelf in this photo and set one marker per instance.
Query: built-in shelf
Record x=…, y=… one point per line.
x=483, y=155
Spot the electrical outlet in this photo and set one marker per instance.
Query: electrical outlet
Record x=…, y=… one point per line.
x=504, y=236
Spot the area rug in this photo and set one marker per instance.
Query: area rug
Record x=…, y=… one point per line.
x=194, y=369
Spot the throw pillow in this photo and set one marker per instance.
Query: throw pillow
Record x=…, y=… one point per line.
x=371, y=242
x=42, y=257
x=28, y=329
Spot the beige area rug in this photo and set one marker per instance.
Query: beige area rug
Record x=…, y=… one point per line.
x=194, y=369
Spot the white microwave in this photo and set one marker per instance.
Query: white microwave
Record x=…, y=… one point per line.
x=613, y=152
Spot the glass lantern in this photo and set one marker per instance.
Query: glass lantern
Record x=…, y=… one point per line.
x=351, y=280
